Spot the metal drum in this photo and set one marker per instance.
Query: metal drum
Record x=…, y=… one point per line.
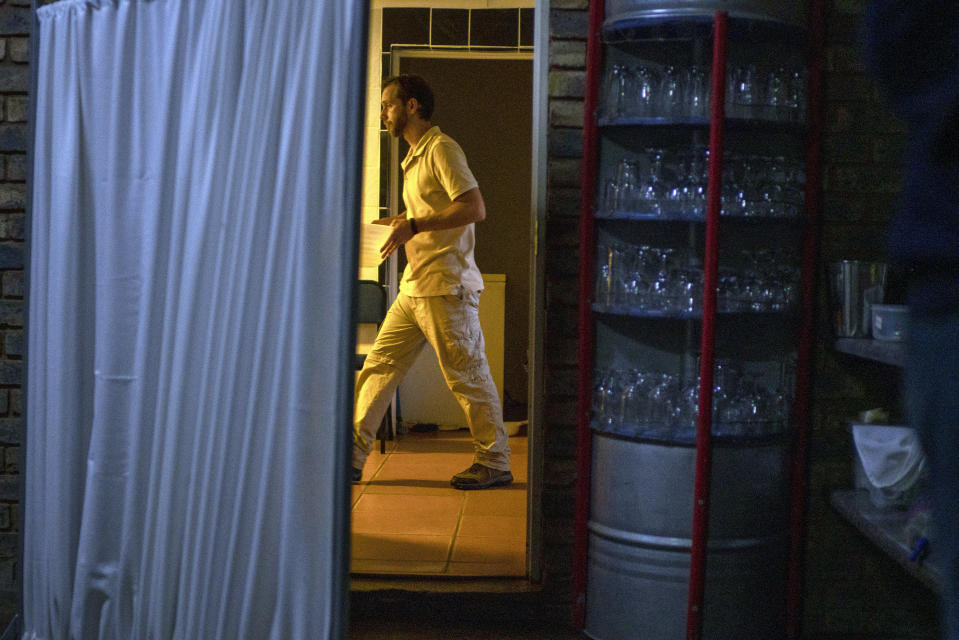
x=792, y=12
x=639, y=540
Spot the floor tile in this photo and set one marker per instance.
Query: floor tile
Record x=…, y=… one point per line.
x=424, y=505
x=430, y=443
x=487, y=569
x=519, y=471
x=403, y=567
x=419, y=467
x=497, y=550
x=413, y=487
x=513, y=527
x=406, y=486
x=391, y=546
x=405, y=513
x=401, y=522
x=511, y=502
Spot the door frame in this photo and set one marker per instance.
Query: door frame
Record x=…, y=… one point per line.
x=534, y=491
x=536, y=416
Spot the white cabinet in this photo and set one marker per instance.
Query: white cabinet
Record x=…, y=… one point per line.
x=423, y=394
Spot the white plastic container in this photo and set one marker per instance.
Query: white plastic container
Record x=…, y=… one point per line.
x=889, y=322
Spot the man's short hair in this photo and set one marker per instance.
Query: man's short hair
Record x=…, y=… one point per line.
x=409, y=86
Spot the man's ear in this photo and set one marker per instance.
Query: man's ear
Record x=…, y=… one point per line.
x=413, y=105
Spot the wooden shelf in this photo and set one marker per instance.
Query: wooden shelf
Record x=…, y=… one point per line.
x=893, y=353
x=886, y=529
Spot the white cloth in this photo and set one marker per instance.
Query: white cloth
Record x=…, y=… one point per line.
x=192, y=254
x=889, y=454
x=893, y=462
x=439, y=263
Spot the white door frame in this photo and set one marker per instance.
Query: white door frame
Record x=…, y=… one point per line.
x=540, y=123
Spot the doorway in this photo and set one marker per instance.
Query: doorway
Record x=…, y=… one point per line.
x=496, y=134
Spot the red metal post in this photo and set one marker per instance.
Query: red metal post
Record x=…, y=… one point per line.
x=587, y=252
x=697, y=561
x=807, y=287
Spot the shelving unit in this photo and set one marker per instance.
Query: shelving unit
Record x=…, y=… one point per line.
x=680, y=285
x=886, y=528
x=892, y=353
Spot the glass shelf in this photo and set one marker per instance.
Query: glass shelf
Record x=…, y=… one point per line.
x=651, y=121
x=732, y=124
x=738, y=434
x=636, y=312
x=700, y=217
x=697, y=26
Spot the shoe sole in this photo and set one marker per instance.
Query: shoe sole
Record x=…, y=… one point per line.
x=501, y=480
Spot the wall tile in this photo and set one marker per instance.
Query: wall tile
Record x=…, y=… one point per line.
x=526, y=27
x=494, y=28
x=405, y=26
x=450, y=27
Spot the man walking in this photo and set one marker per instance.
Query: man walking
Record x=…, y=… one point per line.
x=439, y=292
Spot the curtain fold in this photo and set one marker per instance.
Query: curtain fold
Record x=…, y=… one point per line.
x=196, y=171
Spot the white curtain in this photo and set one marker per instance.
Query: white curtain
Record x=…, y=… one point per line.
x=192, y=250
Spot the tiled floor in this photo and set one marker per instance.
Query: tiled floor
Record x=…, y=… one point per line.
x=408, y=520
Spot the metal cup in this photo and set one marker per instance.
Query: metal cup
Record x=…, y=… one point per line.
x=855, y=286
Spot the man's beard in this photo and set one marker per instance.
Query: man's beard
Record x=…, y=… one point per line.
x=397, y=130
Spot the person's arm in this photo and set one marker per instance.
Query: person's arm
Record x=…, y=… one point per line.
x=388, y=220
x=466, y=208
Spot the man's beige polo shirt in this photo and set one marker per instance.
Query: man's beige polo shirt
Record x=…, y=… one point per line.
x=438, y=262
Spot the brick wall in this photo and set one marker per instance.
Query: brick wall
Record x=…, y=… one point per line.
x=851, y=588
x=14, y=85
x=567, y=51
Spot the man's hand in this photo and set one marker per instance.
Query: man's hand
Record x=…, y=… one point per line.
x=389, y=219
x=402, y=232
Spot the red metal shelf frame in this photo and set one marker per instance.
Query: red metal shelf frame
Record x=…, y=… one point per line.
x=586, y=348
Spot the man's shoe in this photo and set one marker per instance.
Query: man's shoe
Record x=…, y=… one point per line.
x=357, y=475
x=480, y=477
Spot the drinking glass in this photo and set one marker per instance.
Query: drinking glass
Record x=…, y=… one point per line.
x=604, y=274
x=610, y=202
x=696, y=92
x=619, y=91
x=671, y=105
x=726, y=375
x=600, y=397
x=695, y=183
x=777, y=94
x=628, y=187
x=659, y=285
x=743, y=91
x=633, y=279
x=689, y=407
x=672, y=198
x=662, y=397
x=633, y=404
x=796, y=100
x=653, y=188
x=608, y=397
x=646, y=91
x=618, y=260
x=685, y=290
